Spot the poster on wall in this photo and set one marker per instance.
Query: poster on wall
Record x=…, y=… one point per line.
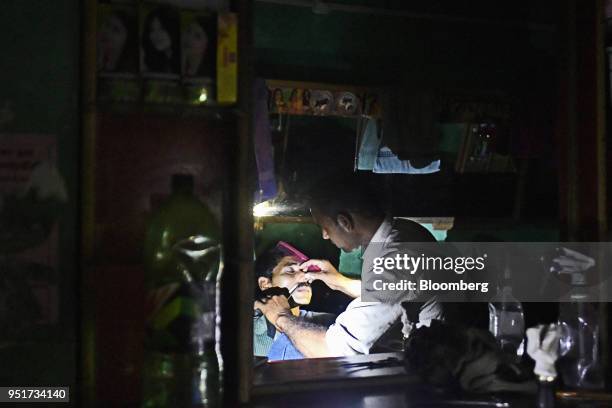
x=160, y=53
x=198, y=54
x=32, y=194
x=304, y=101
x=159, y=40
x=117, y=53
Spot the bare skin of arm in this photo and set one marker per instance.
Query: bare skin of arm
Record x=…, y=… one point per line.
x=332, y=278
x=307, y=337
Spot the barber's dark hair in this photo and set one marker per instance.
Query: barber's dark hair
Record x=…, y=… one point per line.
x=342, y=195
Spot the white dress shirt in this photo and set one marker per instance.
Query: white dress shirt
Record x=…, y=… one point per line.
x=362, y=323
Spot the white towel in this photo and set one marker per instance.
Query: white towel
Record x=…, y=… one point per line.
x=387, y=162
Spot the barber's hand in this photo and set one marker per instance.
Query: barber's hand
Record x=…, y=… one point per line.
x=272, y=307
x=328, y=274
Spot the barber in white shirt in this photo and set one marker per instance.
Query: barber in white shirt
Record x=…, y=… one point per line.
x=350, y=217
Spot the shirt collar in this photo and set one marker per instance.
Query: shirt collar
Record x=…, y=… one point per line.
x=259, y=325
x=379, y=236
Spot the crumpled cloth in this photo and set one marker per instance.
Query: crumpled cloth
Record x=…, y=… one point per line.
x=408, y=121
x=370, y=142
x=387, y=162
x=543, y=348
x=468, y=359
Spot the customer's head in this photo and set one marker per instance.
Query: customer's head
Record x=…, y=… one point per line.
x=346, y=210
x=275, y=269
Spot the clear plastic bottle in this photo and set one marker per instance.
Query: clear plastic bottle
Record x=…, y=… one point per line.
x=579, y=362
x=506, y=318
x=182, y=364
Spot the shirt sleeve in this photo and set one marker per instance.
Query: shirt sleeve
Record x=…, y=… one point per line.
x=320, y=318
x=357, y=328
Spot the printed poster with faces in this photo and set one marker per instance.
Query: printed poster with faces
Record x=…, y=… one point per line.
x=160, y=41
x=117, y=53
x=198, y=46
x=198, y=55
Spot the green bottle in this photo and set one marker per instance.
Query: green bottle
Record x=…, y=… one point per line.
x=183, y=260
x=179, y=217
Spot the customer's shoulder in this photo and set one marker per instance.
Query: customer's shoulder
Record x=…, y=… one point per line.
x=259, y=325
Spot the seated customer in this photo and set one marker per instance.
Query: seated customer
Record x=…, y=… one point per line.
x=274, y=269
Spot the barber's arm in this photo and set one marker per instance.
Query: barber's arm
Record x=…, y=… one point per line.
x=354, y=332
x=331, y=277
x=307, y=337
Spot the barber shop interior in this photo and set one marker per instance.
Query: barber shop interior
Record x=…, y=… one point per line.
x=298, y=203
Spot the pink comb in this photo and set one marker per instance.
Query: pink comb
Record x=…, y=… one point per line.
x=289, y=249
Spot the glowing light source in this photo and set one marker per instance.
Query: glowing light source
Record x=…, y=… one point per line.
x=276, y=207
x=203, y=96
x=263, y=209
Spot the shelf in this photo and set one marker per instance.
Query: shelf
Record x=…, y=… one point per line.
x=174, y=110
x=438, y=223
x=310, y=115
x=322, y=100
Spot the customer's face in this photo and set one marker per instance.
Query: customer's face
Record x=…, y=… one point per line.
x=160, y=39
x=286, y=274
x=195, y=39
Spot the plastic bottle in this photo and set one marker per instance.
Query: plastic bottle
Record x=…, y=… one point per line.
x=506, y=318
x=182, y=215
x=579, y=363
x=182, y=366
